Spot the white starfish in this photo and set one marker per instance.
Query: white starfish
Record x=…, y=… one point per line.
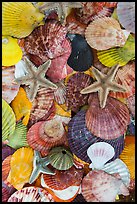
x=104, y=84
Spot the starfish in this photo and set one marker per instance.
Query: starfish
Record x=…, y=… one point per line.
x=60, y=7
x=103, y=85
x=35, y=77
x=39, y=166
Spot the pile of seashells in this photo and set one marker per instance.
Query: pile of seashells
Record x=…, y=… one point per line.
x=68, y=101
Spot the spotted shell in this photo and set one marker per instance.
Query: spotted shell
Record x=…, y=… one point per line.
x=107, y=123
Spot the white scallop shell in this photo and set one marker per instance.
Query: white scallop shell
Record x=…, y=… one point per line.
x=118, y=166
x=99, y=153
x=20, y=69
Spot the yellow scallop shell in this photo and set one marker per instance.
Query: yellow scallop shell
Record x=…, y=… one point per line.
x=11, y=52
x=20, y=19
x=21, y=167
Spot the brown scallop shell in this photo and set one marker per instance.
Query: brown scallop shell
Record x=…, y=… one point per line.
x=110, y=122
x=6, y=168
x=5, y=194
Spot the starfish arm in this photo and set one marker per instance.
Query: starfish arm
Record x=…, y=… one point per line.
x=92, y=88
x=24, y=80
x=30, y=67
x=46, y=6
x=73, y=4
x=102, y=94
x=34, y=175
x=45, y=161
x=98, y=75
x=112, y=72
x=46, y=170
x=42, y=69
x=32, y=90
x=46, y=83
x=116, y=87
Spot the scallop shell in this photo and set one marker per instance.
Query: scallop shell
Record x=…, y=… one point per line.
x=6, y=151
x=6, y=168
x=60, y=93
x=63, y=179
x=118, y=166
x=21, y=167
x=5, y=194
x=9, y=87
x=60, y=158
x=79, y=198
x=100, y=153
x=126, y=77
x=18, y=139
x=110, y=122
x=75, y=84
x=131, y=104
x=11, y=52
x=80, y=138
x=128, y=155
x=120, y=55
x=105, y=33
x=98, y=186
x=19, y=20
x=126, y=15
x=31, y=194
x=8, y=120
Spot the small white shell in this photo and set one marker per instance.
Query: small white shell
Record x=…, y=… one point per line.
x=99, y=153
x=20, y=69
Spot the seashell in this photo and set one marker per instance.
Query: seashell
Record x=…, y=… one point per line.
x=81, y=57
x=8, y=120
x=100, y=153
x=11, y=52
x=126, y=15
x=131, y=104
x=20, y=69
x=110, y=122
x=80, y=138
x=6, y=168
x=20, y=20
x=9, y=87
x=119, y=55
x=6, y=151
x=60, y=158
x=41, y=105
x=60, y=93
x=118, y=166
x=75, y=84
x=126, y=77
x=93, y=10
x=131, y=126
x=21, y=167
x=18, y=139
x=62, y=110
x=128, y=155
x=79, y=198
x=63, y=179
x=5, y=194
x=31, y=194
x=98, y=186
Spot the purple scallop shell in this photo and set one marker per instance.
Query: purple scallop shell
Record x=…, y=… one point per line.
x=6, y=151
x=80, y=138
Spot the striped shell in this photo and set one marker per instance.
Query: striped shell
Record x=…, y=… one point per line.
x=131, y=104
x=60, y=158
x=6, y=151
x=110, y=122
x=5, y=194
x=60, y=93
x=80, y=138
x=31, y=194
x=105, y=33
x=9, y=87
x=75, y=84
x=6, y=168
x=64, y=179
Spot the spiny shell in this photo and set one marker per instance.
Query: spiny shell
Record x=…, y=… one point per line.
x=131, y=104
x=21, y=167
x=19, y=20
x=6, y=151
x=31, y=194
x=11, y=52
x=9, y=87
x=64, y=179
x=8, y=120
x=98, y=186
x=107, y=123
x=60, y=158
x=60, y=93
x=126, y=15
x=105, y=33
x=75, y=84
x=80, y=138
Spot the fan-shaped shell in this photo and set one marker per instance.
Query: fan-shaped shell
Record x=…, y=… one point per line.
x=60, y=158
x=6, y=151
x=5, y=194
x=75, y=84
x=9, y=87
x=21, y=167
x=107, y=123
x=131, y=104
x=31, y=194
x=98, y=186
x=126, y=15
x=6, y=168
x=8, y=120
x=100, y=153
x=11, y=52
x=80, y=138
x=60, y=93
x=63, y=179
x=19, y=20
x=105, y=33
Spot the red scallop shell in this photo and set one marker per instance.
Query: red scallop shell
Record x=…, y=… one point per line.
x=5, y=194
x=109, y=122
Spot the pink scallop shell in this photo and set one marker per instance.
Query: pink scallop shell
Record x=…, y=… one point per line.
x=60, y=93
x=131, y=104
x=109, y=122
